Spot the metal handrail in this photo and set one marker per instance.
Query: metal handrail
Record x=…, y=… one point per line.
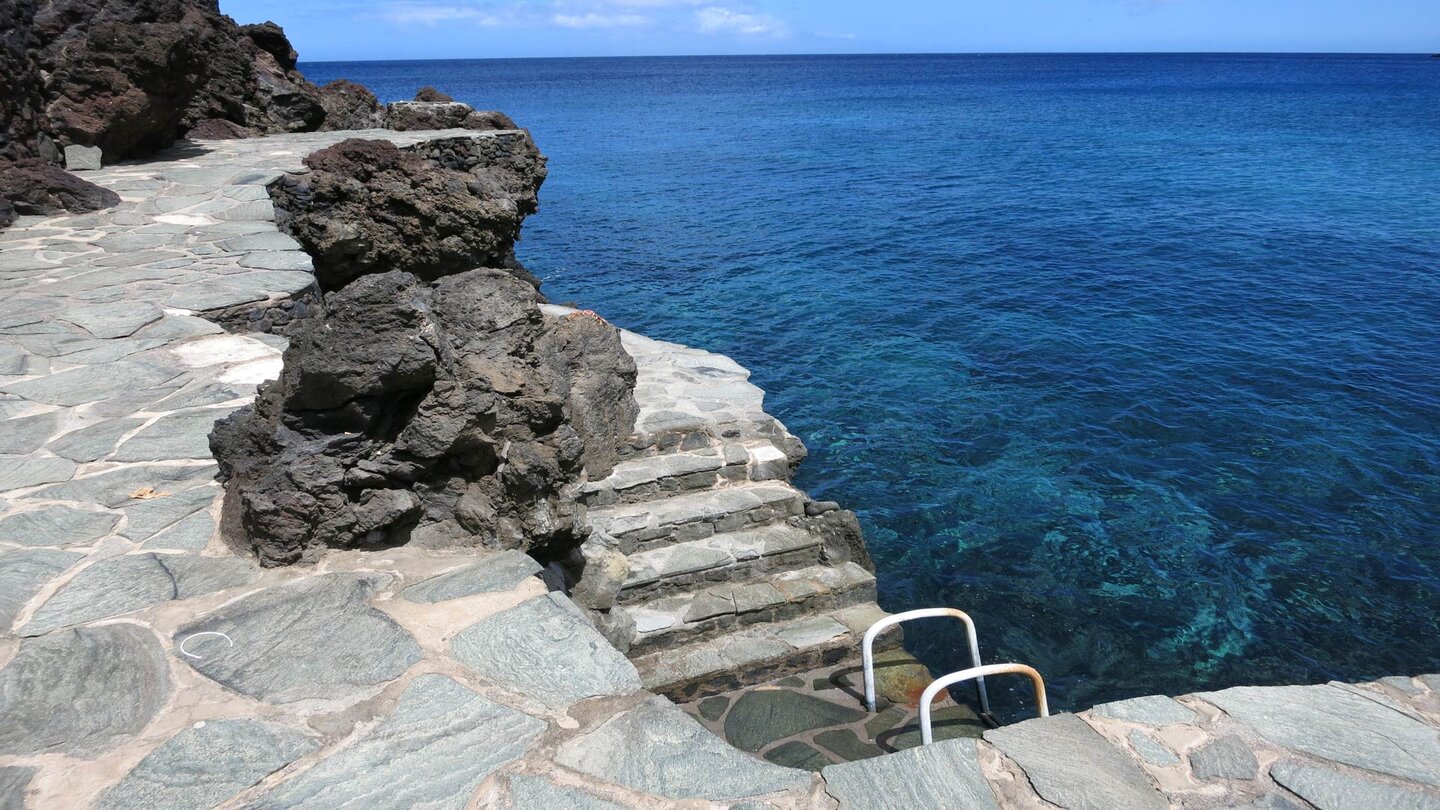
x=979, y=673
x=867, y=649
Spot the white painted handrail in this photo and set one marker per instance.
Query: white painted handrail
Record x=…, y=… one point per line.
x=867, y=649
x=979, y=673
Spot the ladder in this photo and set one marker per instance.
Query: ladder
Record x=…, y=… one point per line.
x=976, y=672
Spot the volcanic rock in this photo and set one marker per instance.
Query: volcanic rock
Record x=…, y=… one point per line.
x=431, y=94
x=451, y=412
x=22, y=100
x=33, y=186
x=131, y=76
x=367, y=206
x=218, y=129
x=350, y=106
x=407, y=115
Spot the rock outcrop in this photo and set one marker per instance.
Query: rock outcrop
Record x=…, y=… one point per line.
x=431, y=94
x=449, y=413
x=402, y=116
x=430, y=402
x=367, y=206
x=21, y=87
x=350, y=106
x=33, y=186
x=131, y=76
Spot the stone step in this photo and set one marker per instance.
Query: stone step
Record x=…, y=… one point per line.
x=730, y=557
x=695, y=515
x=676, y=620
x=649, y=477
x=762, y=653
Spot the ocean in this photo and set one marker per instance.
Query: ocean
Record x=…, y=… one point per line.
x=1136, y=358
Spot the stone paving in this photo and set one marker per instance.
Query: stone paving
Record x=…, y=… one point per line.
x=145, y=664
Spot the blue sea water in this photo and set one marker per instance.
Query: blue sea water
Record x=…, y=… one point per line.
x=1134, y=357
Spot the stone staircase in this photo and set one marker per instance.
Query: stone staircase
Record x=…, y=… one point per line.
x=724, y=575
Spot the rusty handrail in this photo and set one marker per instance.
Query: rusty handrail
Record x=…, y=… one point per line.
x=867, y=649
x=926, y=733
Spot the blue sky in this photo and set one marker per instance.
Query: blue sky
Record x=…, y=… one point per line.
x=438, y=29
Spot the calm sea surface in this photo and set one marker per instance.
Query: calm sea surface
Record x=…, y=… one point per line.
x=1136, y=358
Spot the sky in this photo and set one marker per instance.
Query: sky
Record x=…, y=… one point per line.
x=340, y=30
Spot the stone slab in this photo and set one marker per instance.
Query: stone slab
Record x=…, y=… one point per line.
x=27, y=434
x=314, y=639
x=23, y=573
x=18, y=472
x=82, y=158
x=1151, y=710
x=180, y=436
x=943, y=775
x=191, y=533
x=547, y=650
x=1225, y=758
x=532, y=791
x=656, y=748
x=1337, y=725
x=131, y=485
x=13, y=782
x=134, y=582
x=206, y=764
x=1071, y=765
x=433, y=751
x=502, y=571
x=1331, y=789
x=58, y=526
x=83, y=691
x=761, y=717
x=93, y=441
x=145, y=518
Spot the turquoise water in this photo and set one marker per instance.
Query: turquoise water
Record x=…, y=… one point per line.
x=1136, y=358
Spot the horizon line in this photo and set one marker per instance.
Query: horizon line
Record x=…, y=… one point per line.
x=878, y=53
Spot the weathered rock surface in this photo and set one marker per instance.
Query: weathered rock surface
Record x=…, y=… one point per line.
x=1072, y=766
x=547, y=649
x=317, y=638
x=367, y=206
x=13, y=781
x=1332, y=789
x=206, y=764
x=432, y=94
x=33, y=187
x=433, y=751
x=1226, y=758
x=946, y=774
x=134, y=582
x=22, y=573
x=1337, y=725
x=502, y=571
x=441, y=412
x=420, y=114
x=131, y=77
x=532, y=791
x=82, y=691
x=350, y=106
x=657, y=748
x=56, y=526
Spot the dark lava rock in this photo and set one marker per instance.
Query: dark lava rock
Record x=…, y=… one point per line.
x=33, y=186
x=410, y=115
x=431, y=94
x=447, y=413
x=367, y=206
x=22, y=99
x=131, y=76
x=7, y=213
x=350, y=106
x=218, y=129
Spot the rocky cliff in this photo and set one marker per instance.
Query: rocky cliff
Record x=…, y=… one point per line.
x=431, y=402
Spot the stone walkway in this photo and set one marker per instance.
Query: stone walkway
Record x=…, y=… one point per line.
x=143, y=664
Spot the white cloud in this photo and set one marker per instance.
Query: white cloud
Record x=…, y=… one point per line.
x=434, y=14
x=594, y=20
x=718, y=20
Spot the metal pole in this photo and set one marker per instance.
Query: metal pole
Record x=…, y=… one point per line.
x=1041, y=703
